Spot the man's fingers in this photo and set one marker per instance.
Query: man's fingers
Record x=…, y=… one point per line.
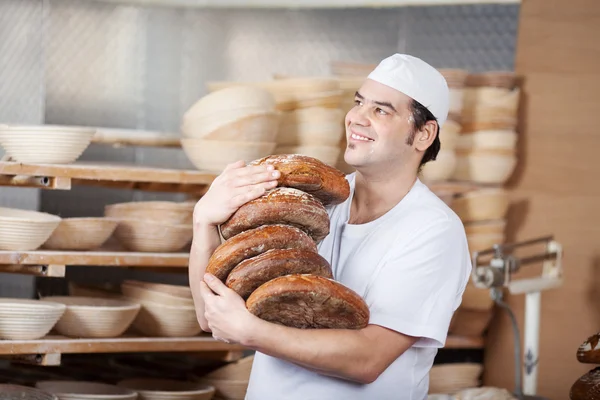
x=206, y=292
x=236, y=165
x=259, y=177
x=215, y=284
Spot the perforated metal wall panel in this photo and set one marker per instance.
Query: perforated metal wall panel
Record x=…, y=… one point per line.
x=96, y=63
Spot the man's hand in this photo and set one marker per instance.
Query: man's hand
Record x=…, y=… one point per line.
x=235, y=186
x=225, y=311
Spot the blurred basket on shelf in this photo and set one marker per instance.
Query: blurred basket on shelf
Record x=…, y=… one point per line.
x=82, y=390
x=94, y=317
x=18, y=392
x=86, y=233
x=153, y=236
x=164, y=211
x=27, y=319
x=450, y=378
x=167, y=389
x=45, y=144
x=22, y=230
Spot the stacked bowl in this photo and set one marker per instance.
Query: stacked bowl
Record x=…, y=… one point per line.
x=230, y=381
x=443, y=167
x=483, y=213
x=27, y=319
x=46, y=144
x=152, y=226
x=167, y=310
x=22, y=230
x=85, y=233
x=487, y=147
x=233, y=123
x=93, y=317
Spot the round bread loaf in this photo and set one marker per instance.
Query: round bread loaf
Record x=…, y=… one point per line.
x=256, y=241
x=280, y=206
x=251, y=273
x=589, y=351
x=309, y=301
x=310, y=175
x=587, y=387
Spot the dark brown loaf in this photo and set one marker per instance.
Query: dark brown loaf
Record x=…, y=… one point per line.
x=254, y=242
x=309, y=301
x=253, y=272
x=310, y=175
x=281, y=205
x=587, y=387
x=589, y=351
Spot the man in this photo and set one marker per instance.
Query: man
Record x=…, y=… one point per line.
x=393, y=242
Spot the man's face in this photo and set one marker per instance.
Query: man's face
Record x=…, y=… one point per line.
x=377, y=127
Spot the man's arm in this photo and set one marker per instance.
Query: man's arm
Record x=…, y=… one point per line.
x=357, y=355
x=206, y=240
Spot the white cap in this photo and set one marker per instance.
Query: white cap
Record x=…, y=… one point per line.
x=416, y=79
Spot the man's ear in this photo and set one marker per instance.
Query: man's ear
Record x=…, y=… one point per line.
x=425, y=137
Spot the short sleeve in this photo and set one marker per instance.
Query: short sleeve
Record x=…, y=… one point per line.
x=420, y=284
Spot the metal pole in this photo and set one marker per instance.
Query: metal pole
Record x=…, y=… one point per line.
x=532, y=334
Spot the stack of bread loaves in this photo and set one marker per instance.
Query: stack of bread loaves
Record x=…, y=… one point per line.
x=270, y=256
x=587, y=387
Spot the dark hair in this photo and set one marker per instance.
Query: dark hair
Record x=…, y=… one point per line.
x=421, y=115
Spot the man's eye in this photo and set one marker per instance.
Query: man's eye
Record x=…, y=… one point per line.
x=380, y=111
x=357, y=102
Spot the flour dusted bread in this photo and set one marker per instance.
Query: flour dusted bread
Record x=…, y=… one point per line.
x=310, y=175
x=256, y=241
x=308, y=301
x=587, y=387
x=282, y=205
x=251, y=273
x=589, y=351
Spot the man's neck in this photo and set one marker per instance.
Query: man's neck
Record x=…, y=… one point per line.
x=377, y=193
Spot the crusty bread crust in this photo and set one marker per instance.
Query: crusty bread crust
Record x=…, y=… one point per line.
x=309, y=301
x=310, y=175
x=589, y=351
x=587, y=387
x=251, y=273
x=253, y=242
x=281, y=205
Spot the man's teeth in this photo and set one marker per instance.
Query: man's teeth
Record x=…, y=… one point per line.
x=354, y=136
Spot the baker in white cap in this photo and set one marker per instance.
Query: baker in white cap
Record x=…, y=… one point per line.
x=393, y=242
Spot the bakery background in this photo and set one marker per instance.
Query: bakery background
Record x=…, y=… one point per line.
x=140, y=67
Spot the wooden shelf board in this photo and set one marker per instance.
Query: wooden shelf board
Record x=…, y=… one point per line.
x=94, y=258
x=113, y=175
x=55, y=344
x=132, y=137
x=464, y=342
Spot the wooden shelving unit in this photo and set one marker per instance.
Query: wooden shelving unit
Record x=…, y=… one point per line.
x=49, y=263
x=51, y=347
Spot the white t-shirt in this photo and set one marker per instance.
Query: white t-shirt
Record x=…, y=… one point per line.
x=411, y=266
